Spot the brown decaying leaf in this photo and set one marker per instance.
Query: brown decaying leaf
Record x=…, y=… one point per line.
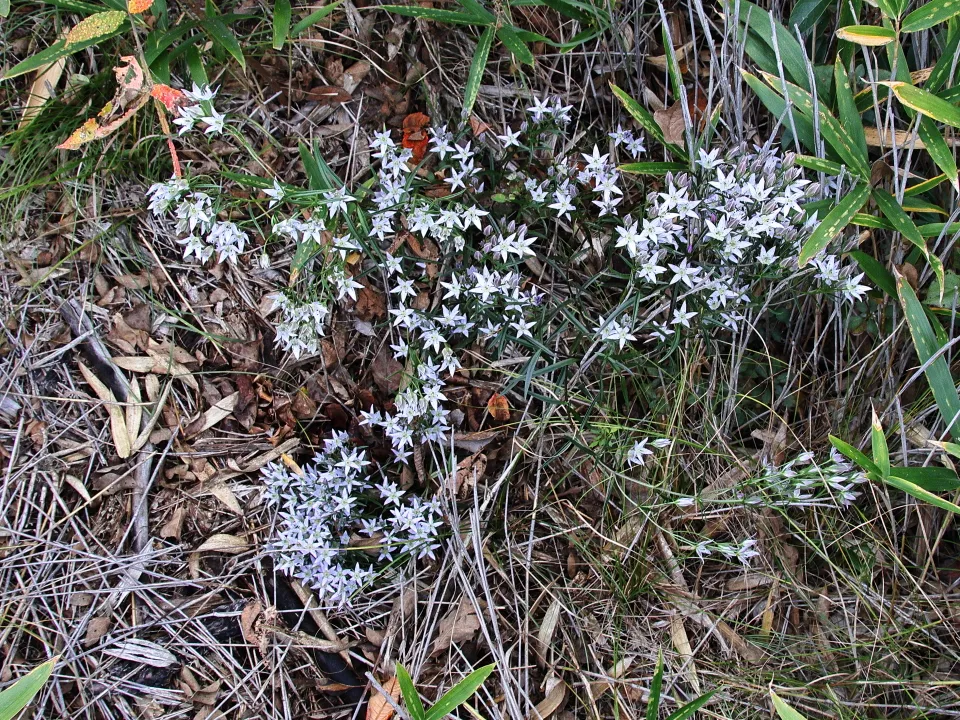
x=671, y=122
x=469, y=471
x=118, y=423
x=230, y=544
x=457, y=626
x=378, y=708
x=128, y=99
x=499, y=408
x=213, y=415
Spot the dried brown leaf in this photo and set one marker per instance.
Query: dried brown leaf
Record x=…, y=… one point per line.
x=378, y=708
x=230, y=544
x=457, y=626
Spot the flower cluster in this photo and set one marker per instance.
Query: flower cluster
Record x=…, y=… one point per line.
x=200, y=232
x=743, y=551
x=803, y=482
x=200, y=110
x=708, y=238
x=336, y=523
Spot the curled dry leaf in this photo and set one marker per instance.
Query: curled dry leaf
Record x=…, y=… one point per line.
x=469, y=470
x=118, y=423
x=379, y=708
x=230, y=544
x=457, y=626
x=213, y=415
x=499, y=408
x=143, y=652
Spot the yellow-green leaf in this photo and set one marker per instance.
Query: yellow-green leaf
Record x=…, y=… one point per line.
x=835, y=221
x=95, y=26
x=783, y=709
x=930, y=14
x=869, y=35
x=925, y=103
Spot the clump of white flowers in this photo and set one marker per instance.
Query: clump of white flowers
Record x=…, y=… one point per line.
x=201, y=234
x=804, y=482
x=200, y=110
x=337, y=524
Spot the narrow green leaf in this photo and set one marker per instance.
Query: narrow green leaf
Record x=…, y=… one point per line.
x=646, y=120
x=224, y=37
x=476, y=70
x=851, y=453
x=521, y=52
x=652, y=168
x=315, y=17
x=16, y=697
x=410, y=696
x=805, y=13
x=759, y=23
x=777, y=106
x=198, y=73
x=930, y=13
x=473, y=7
x=847, y=108
x=865, y=220
x=926, y=344
x=905, y=226
x=944, y=68
x=818, y=164
x=835, y=221
x=878, y=274
x=924, y=185
x=951, y=448
x=281, y=22
x=867, y=35
x=921, y=494
x=830, y=128
x=653, y=700
x=459, y=693
x=889, y=8
x=783, y=710
x=58, y=50
x=4, y=8
x=691, y=707
x=574, y=10
x=925, y=103
x=938, y=229
x=939, y=151
x=881, y=454
x=448, y=16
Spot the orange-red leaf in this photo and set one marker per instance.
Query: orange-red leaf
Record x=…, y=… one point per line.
x=81, y=136
x=138, y=6
x=170, y=97
x=499, y=408
x=415, y=134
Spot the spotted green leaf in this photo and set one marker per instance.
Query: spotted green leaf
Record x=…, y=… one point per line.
x=476, y=70
x=868, y=35
x=938, y=149
x=835, y=221
x=893, y=211
x=929, y=14
x=925, y=103
x=96, y=26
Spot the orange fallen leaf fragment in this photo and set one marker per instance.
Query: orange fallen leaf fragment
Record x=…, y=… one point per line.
x=81, y=136
x=138, y=6
x=499, y=408
x=170, y=97
x=415, y=134
x=379, y=708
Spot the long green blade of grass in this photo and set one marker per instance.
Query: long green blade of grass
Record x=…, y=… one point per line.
x=459, y=693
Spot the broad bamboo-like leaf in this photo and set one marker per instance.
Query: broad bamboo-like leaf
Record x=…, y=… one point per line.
x=688, y=710
x=924, y=185
x=851, y=453
x=835, y=221
x=930, y=13
x=925, y=103
x=410, y=696
x=476, y=70
x=919, y=493
x=224, y=37
x=878, y=274
x=16, y=697
x=847, y=108
x=830, y=128
x=939, y=151
x=762, y=27
x=652, y=168
x=508, y=36
x=871, y=221
x=817, y=164
x=927, y=346
x=892, y=210
x=777, y=106
x=943, y=70
x=868, y=35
